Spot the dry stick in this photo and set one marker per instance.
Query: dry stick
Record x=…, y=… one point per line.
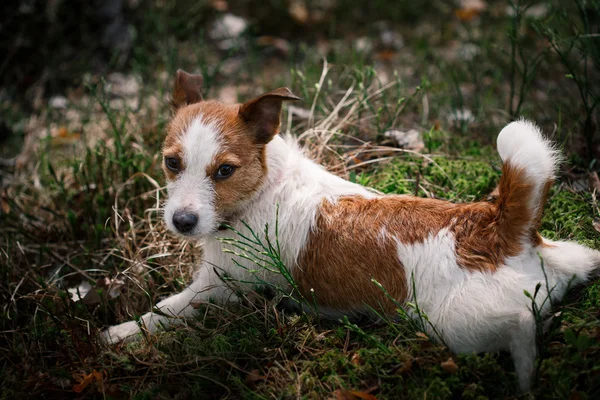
x=324, y=72
x=324, y=127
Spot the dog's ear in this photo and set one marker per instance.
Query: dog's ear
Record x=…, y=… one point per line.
x=188, y=89
x=263, y=114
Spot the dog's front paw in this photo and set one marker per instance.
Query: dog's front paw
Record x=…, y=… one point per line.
x=125, y=332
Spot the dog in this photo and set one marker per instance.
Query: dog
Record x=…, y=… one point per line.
x=467, y=266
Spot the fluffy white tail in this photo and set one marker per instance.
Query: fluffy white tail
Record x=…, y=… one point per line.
x=529, y=168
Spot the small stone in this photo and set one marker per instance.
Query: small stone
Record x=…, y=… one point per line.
x=363, y=44
x=468, y=51
x=226, y=31
x=410, y=140
x=463, y=115
x=122, y=85
x=392, y=39
x=58, y=102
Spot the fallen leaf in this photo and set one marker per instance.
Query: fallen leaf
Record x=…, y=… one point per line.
x=466, y=14
x=298, y=11
x=4, y=205
x=63, y=136
x=280, y=44
x=470, y=9
x=355, y=359
x=254, y=377
x=219, y=5
x=343, y=394
x=450, y=366
x=85, y=380
x=594, y=182
x=404, y=367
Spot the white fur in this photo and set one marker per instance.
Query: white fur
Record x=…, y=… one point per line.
x=471, y=311
x=488, y=311
x=193, y=191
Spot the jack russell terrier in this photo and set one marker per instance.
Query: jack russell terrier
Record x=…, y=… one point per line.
x=465, y=265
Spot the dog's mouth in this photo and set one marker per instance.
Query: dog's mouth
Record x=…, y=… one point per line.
x=225, y=224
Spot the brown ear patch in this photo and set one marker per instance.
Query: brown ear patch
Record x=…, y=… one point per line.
x=263, y=114
x=188, y=89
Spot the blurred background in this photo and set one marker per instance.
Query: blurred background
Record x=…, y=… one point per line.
x=485, y=61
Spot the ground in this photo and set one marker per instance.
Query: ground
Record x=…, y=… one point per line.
x=83, y=245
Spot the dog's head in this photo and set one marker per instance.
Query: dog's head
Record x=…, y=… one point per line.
x=214, y=155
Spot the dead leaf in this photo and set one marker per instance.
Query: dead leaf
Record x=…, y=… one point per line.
x=466, y=14
x=470, y=9
x=594, y=182
x=219, y=5
x=422, y=335
x=254, y=377
x=298, y=11
x=4, y=205
x=404, y=367
x=343, y=394
x=450, y=366
x=278, y=43
x=355, y=359
x=85, y=380
x=62, y=136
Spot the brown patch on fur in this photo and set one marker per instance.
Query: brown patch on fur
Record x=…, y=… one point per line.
x=347, y=241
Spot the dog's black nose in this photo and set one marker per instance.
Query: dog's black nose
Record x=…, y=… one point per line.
x=184, y=221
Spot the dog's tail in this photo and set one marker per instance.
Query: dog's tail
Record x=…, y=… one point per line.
x=528, y=171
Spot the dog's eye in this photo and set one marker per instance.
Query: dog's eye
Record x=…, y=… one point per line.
x=224, y=171
x=172, y=164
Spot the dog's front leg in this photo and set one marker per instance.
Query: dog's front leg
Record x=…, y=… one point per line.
x=175, y=309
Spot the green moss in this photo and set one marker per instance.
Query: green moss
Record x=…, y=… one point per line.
x=569, y=215
x=451, y=179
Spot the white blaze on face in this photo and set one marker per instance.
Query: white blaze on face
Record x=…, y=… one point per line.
x=193, y=191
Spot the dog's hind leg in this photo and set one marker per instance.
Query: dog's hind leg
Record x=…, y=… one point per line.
x=173, y=310
x=523, y=349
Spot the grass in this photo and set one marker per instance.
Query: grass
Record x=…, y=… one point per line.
x=84, y=206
